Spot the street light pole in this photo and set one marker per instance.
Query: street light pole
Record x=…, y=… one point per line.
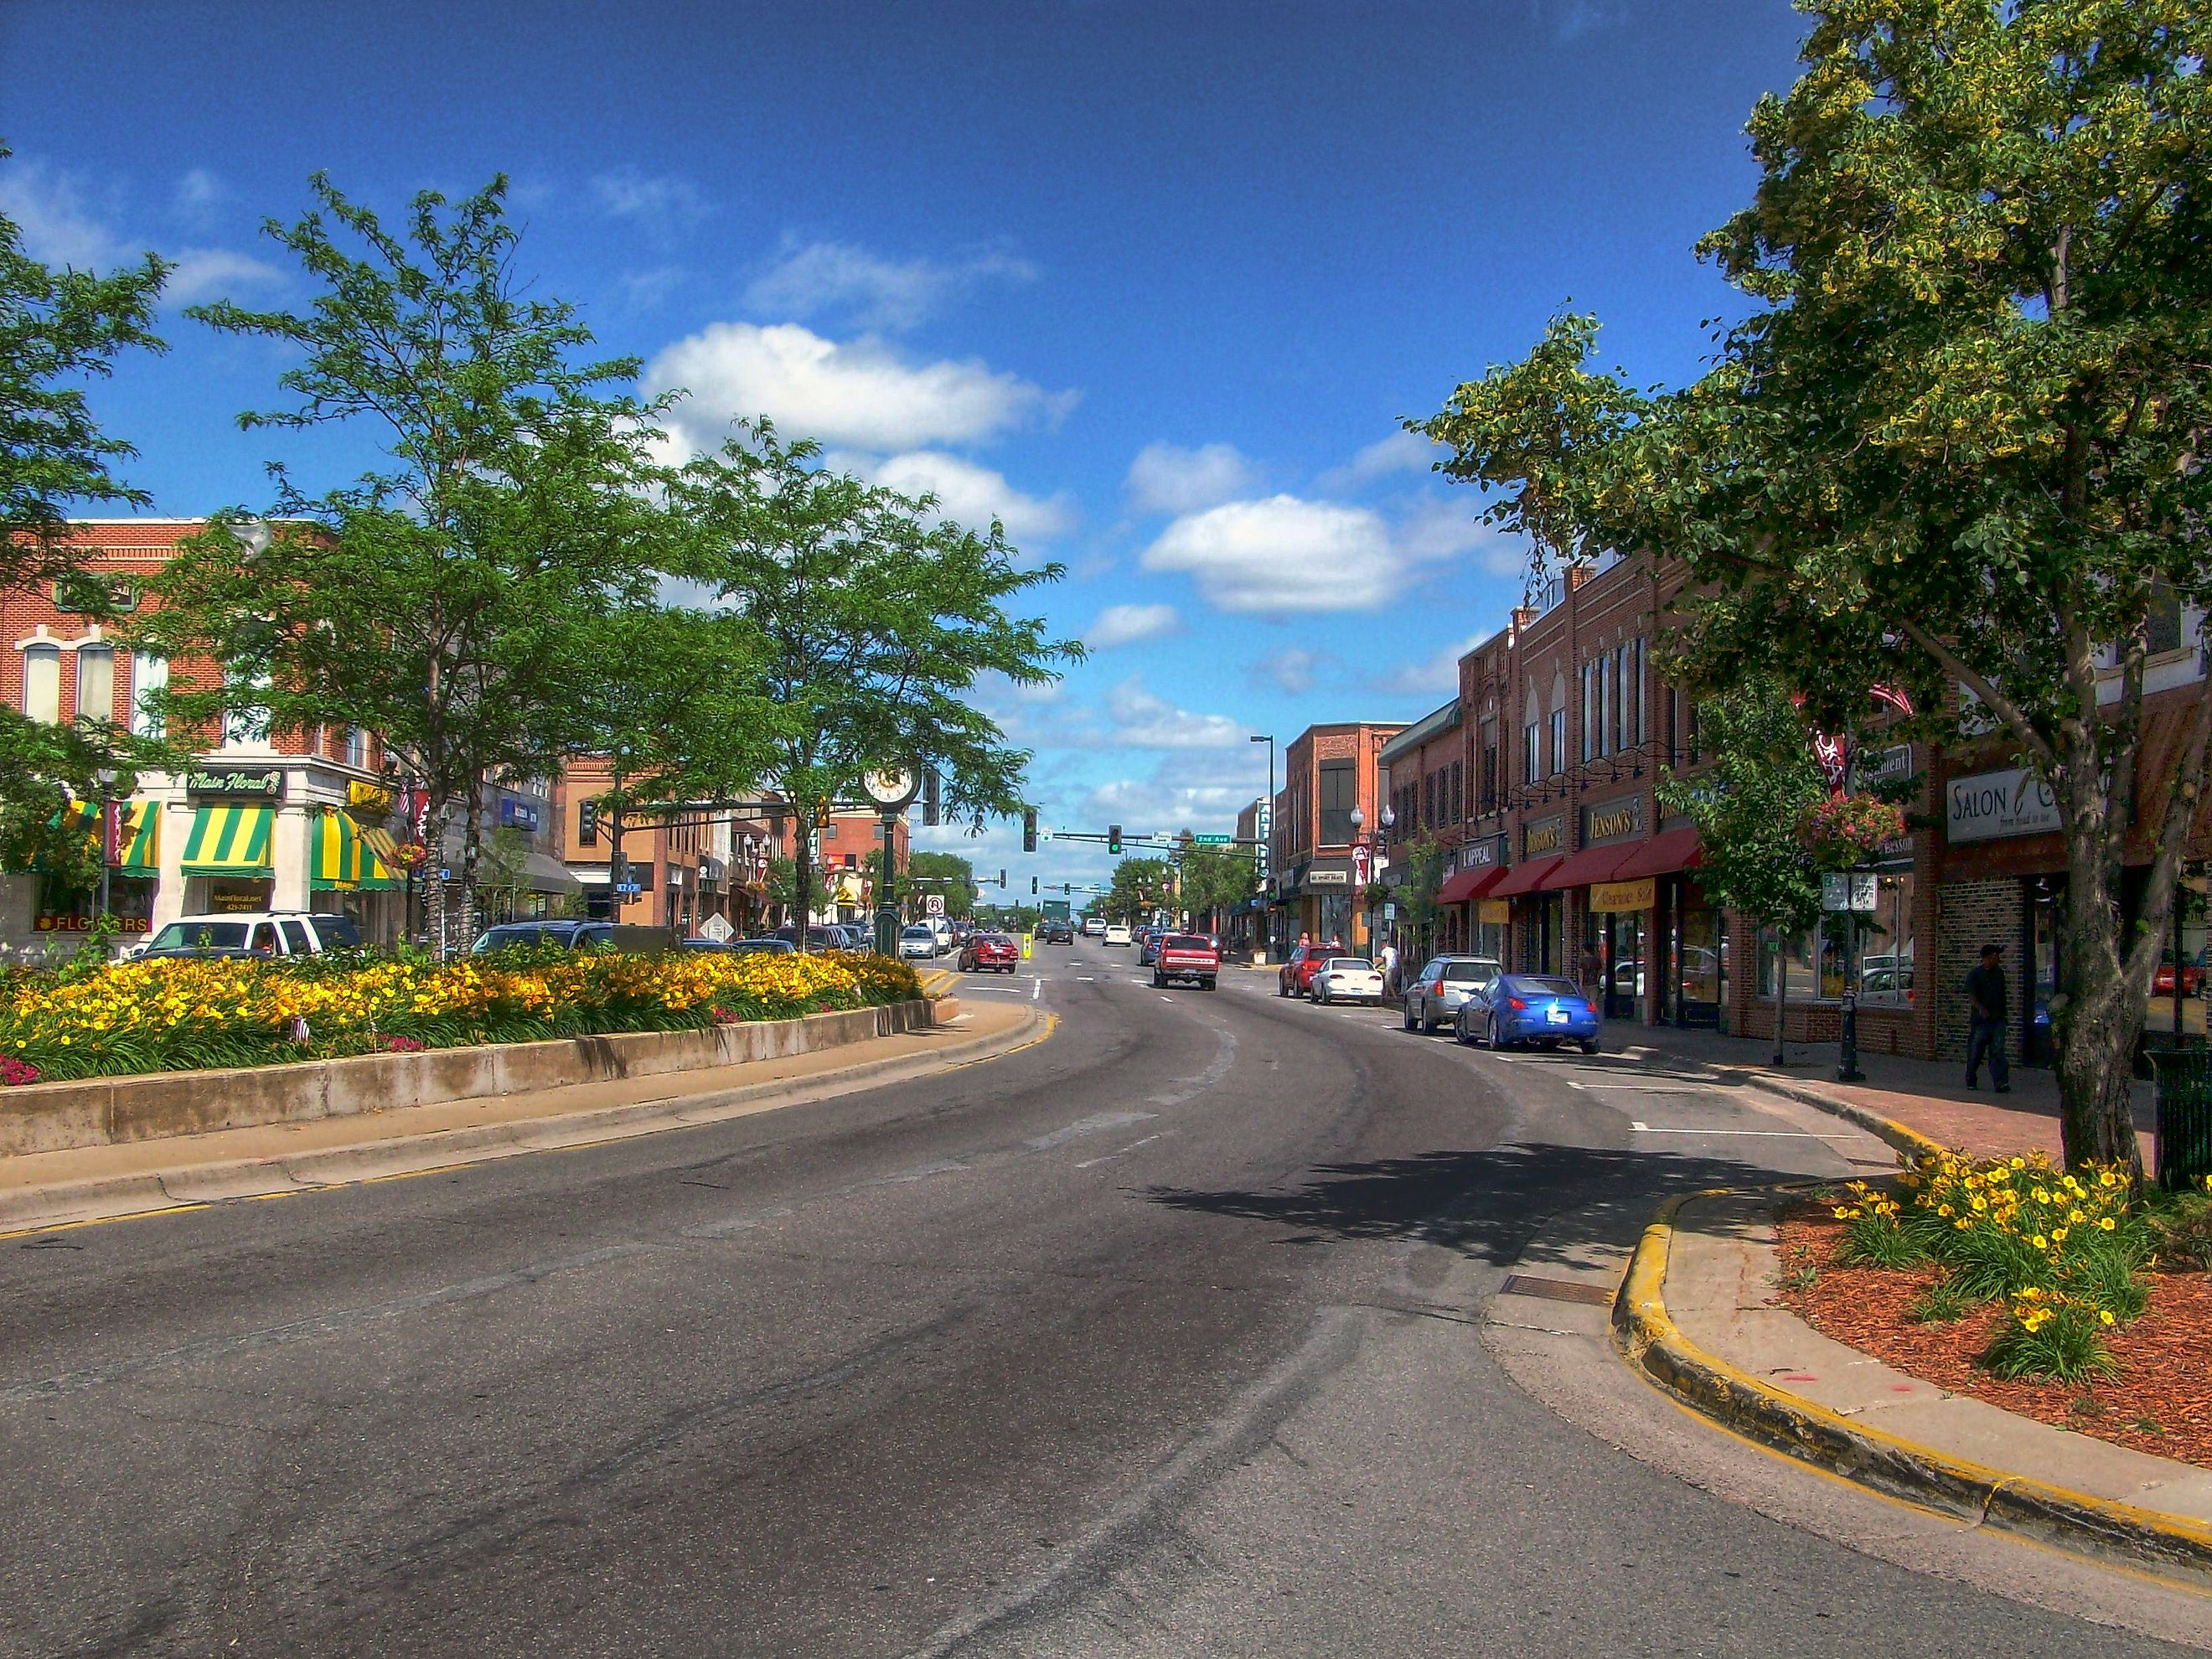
x=106, y=779
x=1267, y=880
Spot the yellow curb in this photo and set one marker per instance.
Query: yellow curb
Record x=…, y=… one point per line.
x=1650, y=1341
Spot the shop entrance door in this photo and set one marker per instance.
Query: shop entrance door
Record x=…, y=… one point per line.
x=1621, y=941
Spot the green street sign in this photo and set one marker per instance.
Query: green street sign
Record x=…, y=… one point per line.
x=1211, y=841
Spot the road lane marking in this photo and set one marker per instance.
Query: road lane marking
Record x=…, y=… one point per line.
x=1037, y=991
x=1107, y=1158
x=1098, y=1124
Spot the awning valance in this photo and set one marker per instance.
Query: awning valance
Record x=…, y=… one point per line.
x=229, y=841
x=1592, y=864
x=1469, y=884
x=1664, y=855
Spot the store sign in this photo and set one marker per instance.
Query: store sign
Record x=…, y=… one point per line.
x=1871, y=768
x=1991, y=805
x=372, y=798
x=78, y=923
x=1625, y=895
x=256, y=782
x=1484, y=855
x=1613, y=820
x=1494, y=910
x=1539, y=839
x=1328, y=879
x=518, y=814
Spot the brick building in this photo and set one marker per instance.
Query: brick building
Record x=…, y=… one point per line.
x=689, y=864
x=1326, y=824
x=289, y=820
x=1425, y=792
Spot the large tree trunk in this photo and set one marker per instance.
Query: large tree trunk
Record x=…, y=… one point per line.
x=802, y=882
x=433, y=898
x=471, y=834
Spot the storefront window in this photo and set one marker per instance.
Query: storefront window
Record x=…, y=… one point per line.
x=2177, y=997
x=1812, y=962
x=1885, y=945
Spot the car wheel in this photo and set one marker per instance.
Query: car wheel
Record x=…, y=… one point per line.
x=1157, y=981
x=1206, y=984
x=1459, y=1033
x=1406, y=1012
x=1428, y=1020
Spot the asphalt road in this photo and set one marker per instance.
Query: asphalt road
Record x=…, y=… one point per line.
x=1159, y=1337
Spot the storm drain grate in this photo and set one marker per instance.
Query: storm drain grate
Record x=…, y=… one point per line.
x=1556, y=1290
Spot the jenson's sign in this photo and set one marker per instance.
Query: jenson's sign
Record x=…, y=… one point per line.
x=1613, y=820
x=1990, y=805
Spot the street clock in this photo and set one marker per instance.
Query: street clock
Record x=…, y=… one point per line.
x=892, y=789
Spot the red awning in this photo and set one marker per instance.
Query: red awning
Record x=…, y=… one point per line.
x=1470, y=884
x=1526, y=877
x=1591, y=863
x=1662, y=856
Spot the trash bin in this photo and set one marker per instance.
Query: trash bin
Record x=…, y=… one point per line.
x=2185, y=1116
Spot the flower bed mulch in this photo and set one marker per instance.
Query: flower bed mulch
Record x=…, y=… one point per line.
x=2159, y=1403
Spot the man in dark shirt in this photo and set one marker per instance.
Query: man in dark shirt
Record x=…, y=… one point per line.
x=1986, y=1021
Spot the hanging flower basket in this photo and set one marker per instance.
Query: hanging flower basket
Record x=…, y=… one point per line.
x=1846, y=830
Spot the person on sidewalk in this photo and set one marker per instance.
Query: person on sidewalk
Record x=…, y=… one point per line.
x=1986, y=1021
x=1388, y=961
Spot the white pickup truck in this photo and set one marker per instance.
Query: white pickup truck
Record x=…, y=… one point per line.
x=252, y=933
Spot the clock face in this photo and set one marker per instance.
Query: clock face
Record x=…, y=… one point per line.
x=894, y=787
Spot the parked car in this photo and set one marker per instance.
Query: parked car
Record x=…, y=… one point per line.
x=990, y=953
x=745, y=947
x=1520, y=1008
x=269, y=933
x=1295, y=977
x=1347, y=978
x=1192, y=956
x=1117, y=932
x=1432, y=997
x=2192, y=977
x=568, y=935
x=1148, y=946
x=918, y=943
x=831, y=936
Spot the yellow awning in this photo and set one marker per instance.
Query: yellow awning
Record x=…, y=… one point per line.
x=380, y=842
x=334, y=851
x=229, y=841
x=142, y=838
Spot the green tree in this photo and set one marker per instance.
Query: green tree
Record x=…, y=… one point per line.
x=59, y=329
x=947, y=873
x=1139, y=886
x=1216, y=881
x=876, y=618
x=1955, y=447
x=1750, y=810
x=1427, y=862
x=784, y=889
x=452, y=601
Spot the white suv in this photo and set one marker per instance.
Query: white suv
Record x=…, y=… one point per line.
x=252, y=933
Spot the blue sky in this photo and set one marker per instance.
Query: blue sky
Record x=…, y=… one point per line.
x=1154, y=283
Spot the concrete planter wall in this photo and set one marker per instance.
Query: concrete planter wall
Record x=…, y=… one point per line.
x=46, y=1117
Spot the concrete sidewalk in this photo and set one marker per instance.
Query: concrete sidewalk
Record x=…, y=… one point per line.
x=40, y=1190
x=1698, y=1314
x=1928, y=1098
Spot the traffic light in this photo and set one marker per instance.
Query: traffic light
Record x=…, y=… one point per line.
x=1028, y=829
x=929, y=799
x=822, y=814
x=1002, y=881
x=1032, y=885
x=1114, y=838
x=618, y=869
x=587, y=823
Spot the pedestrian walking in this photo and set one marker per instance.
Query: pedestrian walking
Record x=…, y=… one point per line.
x=1986, y=1021
x=1389, y=964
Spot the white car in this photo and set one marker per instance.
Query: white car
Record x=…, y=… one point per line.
x=1117, y=932
x=1092, y=926
x=918, y=942
x=1347, y=979
x=252, y=933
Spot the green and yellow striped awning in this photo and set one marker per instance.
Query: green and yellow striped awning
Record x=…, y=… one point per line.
x=229, y=841
x=377, y=876
x=335, y=851
x=77, y=815
x=142, y=838
x=380, y=842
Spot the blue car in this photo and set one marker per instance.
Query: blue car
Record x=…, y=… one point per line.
x=1523, y=1008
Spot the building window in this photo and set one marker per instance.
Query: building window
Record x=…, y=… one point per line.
x=1589, y=713
x=1340, y=793
x=95, y=684
x=149, y=676
x=42, y=684
x=1885, y=945
x=1458, y=793
x=1812, y=978
x=1558, y=721
x=1486, y=777
x=356, y=749
x=2162, y=623
x=1637, y=733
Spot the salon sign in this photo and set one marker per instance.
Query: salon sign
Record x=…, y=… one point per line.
x=1991, y=805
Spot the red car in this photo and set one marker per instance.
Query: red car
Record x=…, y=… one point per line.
x=2192, y=980
x=1192, y=956
x=986, y=953
x=1296, y=978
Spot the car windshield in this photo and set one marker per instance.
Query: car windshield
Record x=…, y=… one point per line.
x=917, y=932
x=1550, y=988
x=1350, y=965
x=201, y=935
x=502, y=938
x=1470, y=973
x=773, y=946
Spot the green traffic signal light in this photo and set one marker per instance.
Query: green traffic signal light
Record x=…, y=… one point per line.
x=1114, y=838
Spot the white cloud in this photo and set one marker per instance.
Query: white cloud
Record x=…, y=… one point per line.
x=1144, y=721
x=1164, y=805
x=862, y=392
x=869, y=291
x=648, y=290
x=1437, y=677
x=1166, y=479
x=663, y=207
x=199, y=193
x=1430, y=528
x=972, y=495
x=61, y=227
x=1129, y=624
x=1282, y=555
x=1401, y=452
x=1290, y=669
x=206, y=273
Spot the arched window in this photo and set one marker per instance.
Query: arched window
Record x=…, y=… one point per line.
x=1532, y=740
x=1559, y=721
x=95, y=683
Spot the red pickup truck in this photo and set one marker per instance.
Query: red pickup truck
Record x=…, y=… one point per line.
x=1188, y=956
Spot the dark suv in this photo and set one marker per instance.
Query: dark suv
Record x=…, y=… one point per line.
x=572, y=935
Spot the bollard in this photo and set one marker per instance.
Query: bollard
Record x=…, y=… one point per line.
x=1847, y=1061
